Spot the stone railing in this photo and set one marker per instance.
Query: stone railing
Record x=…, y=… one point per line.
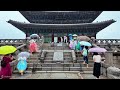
x=15, y=41
x=109, y=44
x=12, y=41
x=112, y=59
x=108, y=41
x=98, y=41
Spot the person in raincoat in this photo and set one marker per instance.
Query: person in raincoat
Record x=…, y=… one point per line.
x=6, y=71
x=33, y=46
x=22, y=64
x=74, y=44
x=71, y=44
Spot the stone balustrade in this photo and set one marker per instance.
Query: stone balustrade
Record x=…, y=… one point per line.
x=112, y=59
x=108, y=41
x=98, y=41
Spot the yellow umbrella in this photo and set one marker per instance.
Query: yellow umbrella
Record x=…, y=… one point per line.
x=7, y=49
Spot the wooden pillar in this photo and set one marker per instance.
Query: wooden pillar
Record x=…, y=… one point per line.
x=109, y=58
x=53, y=37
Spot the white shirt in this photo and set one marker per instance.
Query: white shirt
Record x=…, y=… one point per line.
x=97, y=58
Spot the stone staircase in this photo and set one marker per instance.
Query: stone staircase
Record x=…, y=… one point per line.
x=66, y=65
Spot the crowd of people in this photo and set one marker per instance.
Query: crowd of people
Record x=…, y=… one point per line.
x=75, y=45
x=6, y=71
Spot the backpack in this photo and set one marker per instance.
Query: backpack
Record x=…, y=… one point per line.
x=3, y=63
x=85, y=52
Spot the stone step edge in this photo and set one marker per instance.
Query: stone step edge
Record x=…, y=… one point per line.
x=57, y=72
x=62, y=67
x=60, y=63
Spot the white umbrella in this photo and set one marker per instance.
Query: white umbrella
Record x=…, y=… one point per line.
x=75, y=35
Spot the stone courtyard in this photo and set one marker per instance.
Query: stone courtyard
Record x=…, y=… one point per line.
x=55, y=75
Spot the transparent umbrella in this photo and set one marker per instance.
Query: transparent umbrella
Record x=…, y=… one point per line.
x=34, y=36
x=24, y=54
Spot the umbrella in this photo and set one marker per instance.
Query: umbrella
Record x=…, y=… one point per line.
x=74, y=35
x=85, y=43
x=7, y=49
x=83, y=38
x=24, y=54
x=97, y=49
x=69, y=34
x=34, y=36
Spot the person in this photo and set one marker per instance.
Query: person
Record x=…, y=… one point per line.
x=78, y=46
x=22, y=64
x=33, y=46
x=6, y=71
x=85, y=55
x=71, y=44
x=74, y=44
x=97, y=64
x=65, y=39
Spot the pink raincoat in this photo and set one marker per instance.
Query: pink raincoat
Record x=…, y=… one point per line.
x=33, y=47
x=6, y=72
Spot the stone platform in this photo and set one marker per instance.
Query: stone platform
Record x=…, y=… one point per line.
x=58, y=56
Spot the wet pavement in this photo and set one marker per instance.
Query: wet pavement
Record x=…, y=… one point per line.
x=56, y=76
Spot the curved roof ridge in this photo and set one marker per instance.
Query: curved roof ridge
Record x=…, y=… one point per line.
x=17, y=22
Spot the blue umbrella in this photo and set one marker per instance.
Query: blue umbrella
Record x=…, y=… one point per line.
x=70, y=35
x=24, y=54
x=85, y=43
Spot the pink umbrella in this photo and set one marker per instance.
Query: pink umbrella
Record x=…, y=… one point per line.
x=97, y=49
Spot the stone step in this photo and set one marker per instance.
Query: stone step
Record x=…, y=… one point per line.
x=51, y=61
x=48, y=58
x=30, y=72
x=60, y=64
x=61, y=68
x=68, y=58
x=87, y=72
x=49, y=55
x=67, y=55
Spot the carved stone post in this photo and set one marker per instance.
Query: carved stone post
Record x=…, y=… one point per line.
x=109, y=58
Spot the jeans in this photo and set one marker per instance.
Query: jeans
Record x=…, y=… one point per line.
x=85, y=58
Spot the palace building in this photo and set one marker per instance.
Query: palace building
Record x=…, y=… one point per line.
x=58, y=24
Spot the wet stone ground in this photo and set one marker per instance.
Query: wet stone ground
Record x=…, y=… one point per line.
x=55, y=76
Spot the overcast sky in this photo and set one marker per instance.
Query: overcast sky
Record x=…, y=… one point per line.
x=7, y=31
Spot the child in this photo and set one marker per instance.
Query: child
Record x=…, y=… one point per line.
x=22, y=64
x=85, y=55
